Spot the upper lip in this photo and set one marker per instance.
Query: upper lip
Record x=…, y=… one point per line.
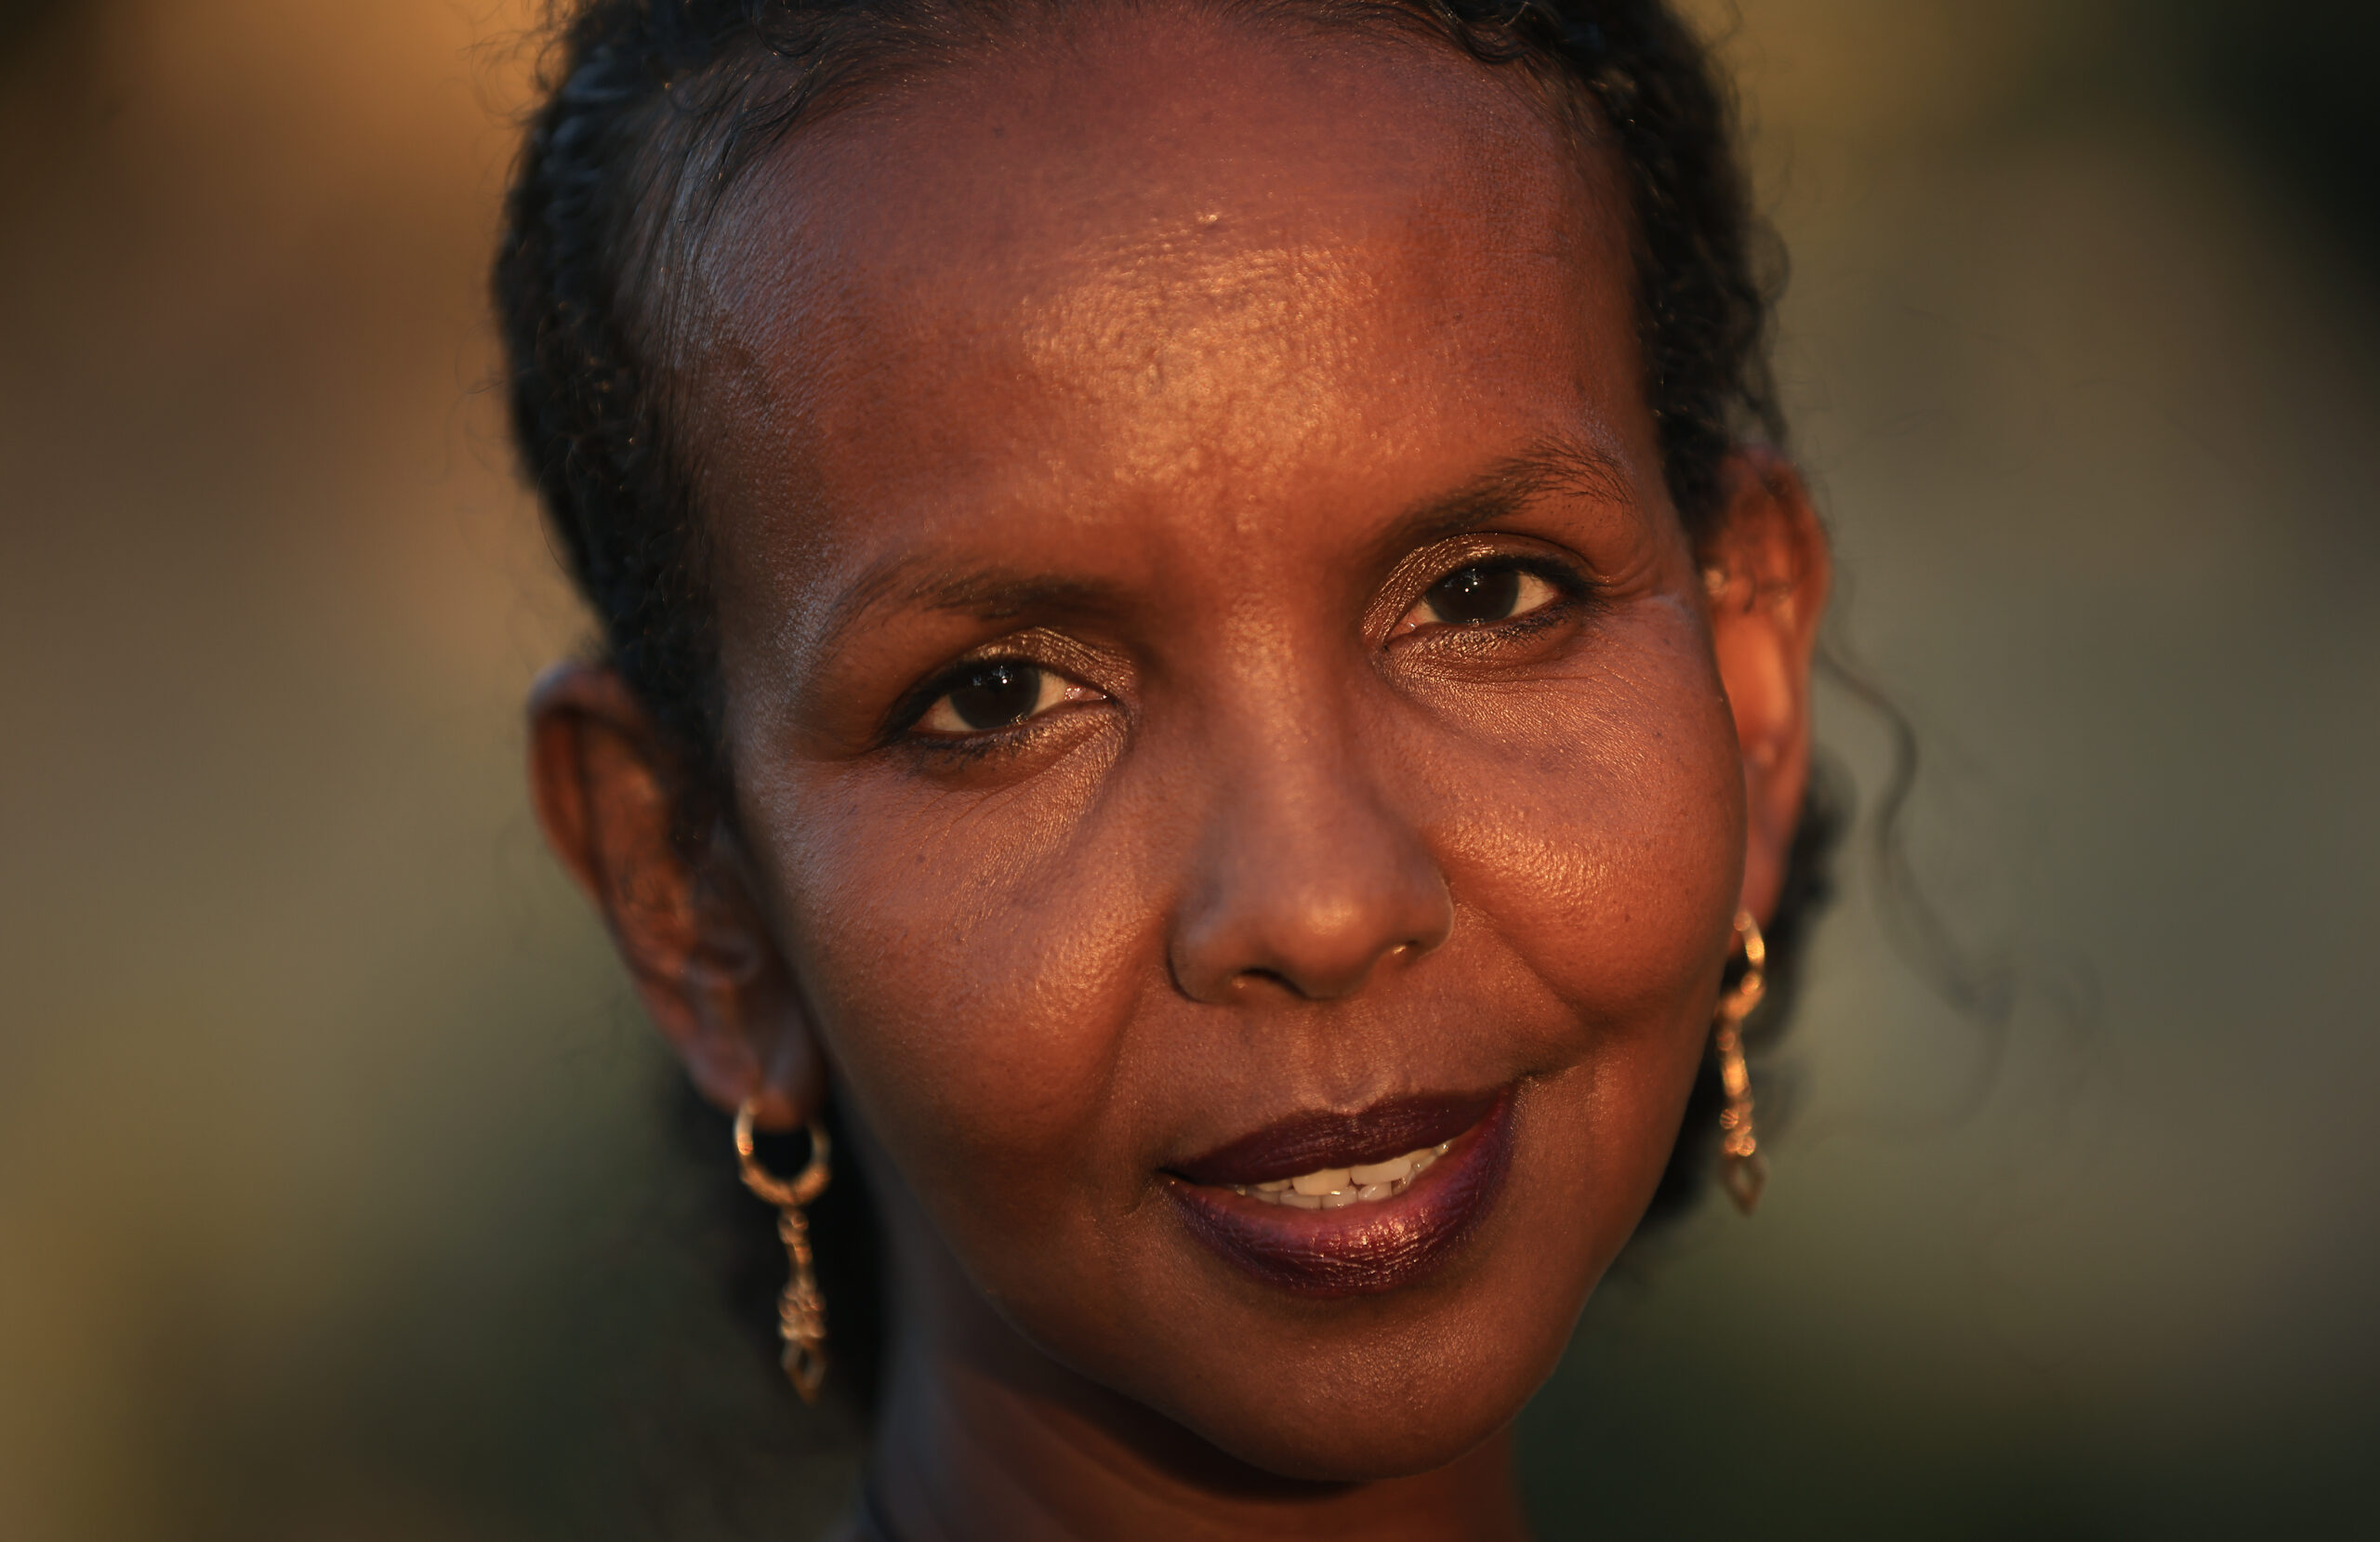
x=1310, y=1142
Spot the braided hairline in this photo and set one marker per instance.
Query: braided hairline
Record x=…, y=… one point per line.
x=661, y=103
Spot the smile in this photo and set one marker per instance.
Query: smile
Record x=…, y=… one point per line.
x=1341, y=1204
x=1332, y=1187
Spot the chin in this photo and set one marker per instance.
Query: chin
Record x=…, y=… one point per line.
x=1365, y=1446
x=1403, y=1395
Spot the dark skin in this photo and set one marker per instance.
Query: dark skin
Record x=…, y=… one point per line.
x=1206, y=380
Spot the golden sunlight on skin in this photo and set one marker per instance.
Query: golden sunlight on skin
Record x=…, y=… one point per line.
x=330, y=1150
x=1188, y=395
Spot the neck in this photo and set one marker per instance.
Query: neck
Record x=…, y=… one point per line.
x=982, y=1435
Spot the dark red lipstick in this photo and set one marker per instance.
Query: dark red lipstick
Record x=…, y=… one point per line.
x=1362, y=1249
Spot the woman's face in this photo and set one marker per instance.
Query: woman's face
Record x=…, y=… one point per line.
x=1217, y=693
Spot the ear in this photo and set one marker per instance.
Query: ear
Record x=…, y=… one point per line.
x=682, y=912
x=1766, y=576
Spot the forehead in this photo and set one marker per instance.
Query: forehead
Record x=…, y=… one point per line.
x=1157, y=252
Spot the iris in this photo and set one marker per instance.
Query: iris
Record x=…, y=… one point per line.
x=995, y=695
x=1469, y=597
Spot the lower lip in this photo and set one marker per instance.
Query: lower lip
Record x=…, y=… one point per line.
x=1359, y=1249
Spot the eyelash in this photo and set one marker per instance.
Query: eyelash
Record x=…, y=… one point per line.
x=1570, y=587
x=902, y=722
x=950, y=750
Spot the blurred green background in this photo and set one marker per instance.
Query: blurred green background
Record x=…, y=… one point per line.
x=335, y=1197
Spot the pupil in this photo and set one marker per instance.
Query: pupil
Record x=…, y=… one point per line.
x=1475, y=595
x=999, y=695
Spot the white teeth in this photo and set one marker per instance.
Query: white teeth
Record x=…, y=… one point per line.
x=1328, y=1188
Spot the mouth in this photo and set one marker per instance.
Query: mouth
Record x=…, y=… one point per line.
x=1340, y=1204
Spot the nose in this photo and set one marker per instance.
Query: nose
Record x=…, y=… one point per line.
x=1304, y=878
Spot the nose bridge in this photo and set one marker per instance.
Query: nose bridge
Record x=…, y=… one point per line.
x=1305, y=874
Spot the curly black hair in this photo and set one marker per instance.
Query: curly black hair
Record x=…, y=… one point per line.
x=653, y=108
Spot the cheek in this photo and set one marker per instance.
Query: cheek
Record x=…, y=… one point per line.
x=1601, y=831
x=1600, y=837
x=969, y=961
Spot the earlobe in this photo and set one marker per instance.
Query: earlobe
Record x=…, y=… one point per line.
x=684, y=921
x=1766, y=574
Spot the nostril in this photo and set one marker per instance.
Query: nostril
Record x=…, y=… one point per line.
x=1321, y=979
x=1308, y=888
x=1273, y=977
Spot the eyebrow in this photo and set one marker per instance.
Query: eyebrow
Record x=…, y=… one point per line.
x=1548, y=467
x=1000, y=594
x=991, y=593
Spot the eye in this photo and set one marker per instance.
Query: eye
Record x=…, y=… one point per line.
x=1480, y=594
x=997, y=693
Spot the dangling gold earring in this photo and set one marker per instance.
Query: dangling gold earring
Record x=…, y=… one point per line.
x=1741, y=1168
x=802, y=1311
